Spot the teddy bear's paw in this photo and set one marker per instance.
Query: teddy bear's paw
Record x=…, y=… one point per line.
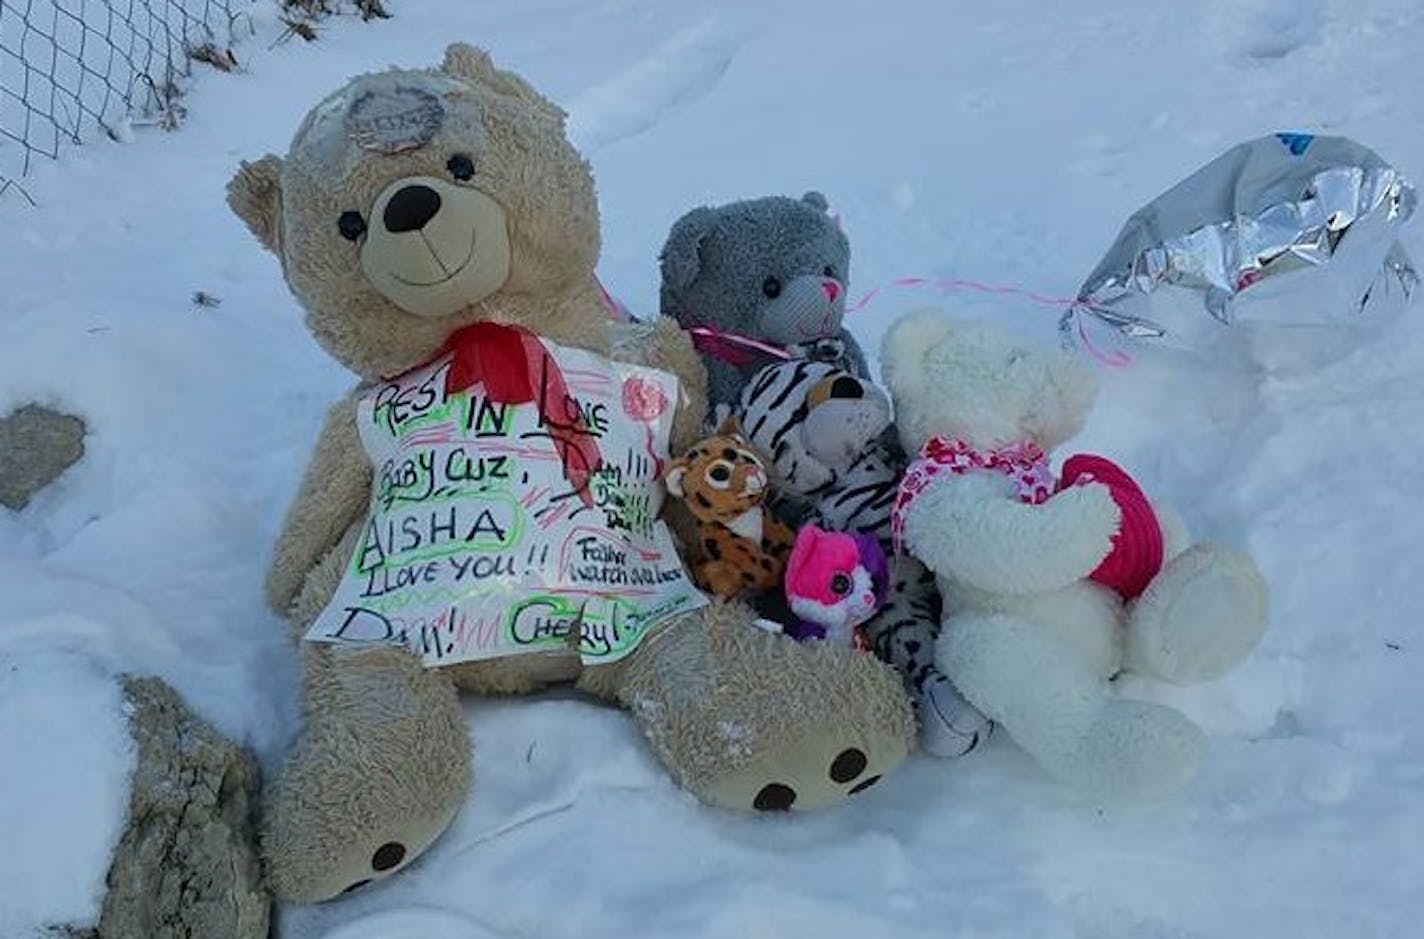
x=1059, y=710
x=379, y=774
x=1130, y=750
x=825, y=766
x=1200, y=617
x=949, y=725
x=747, y=719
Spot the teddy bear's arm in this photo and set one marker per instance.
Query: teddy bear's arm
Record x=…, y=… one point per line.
x=665, y=345
x=333, y=494
x=967, y=527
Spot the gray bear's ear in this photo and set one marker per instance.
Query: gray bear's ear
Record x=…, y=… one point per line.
x=463, y=60
x=816, y=201
x=682, y=255
x=255, y=194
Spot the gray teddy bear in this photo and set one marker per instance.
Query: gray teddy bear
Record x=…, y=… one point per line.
x=773, y=270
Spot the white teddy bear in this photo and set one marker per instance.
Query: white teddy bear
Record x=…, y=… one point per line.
x=1032, y=632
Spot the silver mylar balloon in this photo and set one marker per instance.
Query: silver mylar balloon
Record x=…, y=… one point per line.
x=1288, y=243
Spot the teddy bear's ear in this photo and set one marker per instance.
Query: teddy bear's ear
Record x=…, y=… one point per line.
x=682, y=255
x=907, y=342
x=255, y=194
x=1071, y=385
x=816, y=201
x=730, y=427
x=463, y=60
x=466, y=61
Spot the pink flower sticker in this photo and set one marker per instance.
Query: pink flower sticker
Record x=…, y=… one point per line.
x=643, y=400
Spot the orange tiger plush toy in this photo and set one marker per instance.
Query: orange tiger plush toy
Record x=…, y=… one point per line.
x=724, y=483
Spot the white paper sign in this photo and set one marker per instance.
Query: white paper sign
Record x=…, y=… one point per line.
x=477, y=545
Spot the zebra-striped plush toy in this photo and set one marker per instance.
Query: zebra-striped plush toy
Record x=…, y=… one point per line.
x=823, y=432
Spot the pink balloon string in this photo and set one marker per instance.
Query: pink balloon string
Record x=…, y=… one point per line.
x=1114, y=358
x=735, y=346
x=716, y=342
x=729, y=346
x=961, y=286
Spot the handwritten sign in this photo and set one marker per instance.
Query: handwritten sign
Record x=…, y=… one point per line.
x=477, y=545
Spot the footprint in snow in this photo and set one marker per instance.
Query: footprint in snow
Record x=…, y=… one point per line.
x=673, y=76
x=1265, y=30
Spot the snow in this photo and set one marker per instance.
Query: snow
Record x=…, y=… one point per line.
x=65, y=758
x=1004, y=143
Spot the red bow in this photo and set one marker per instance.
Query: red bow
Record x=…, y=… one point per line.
x=516, y=368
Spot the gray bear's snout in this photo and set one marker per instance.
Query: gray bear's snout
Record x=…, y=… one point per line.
x=809, y=307
x=411, y=209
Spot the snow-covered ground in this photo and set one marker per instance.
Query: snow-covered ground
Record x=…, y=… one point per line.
x=1001, y=142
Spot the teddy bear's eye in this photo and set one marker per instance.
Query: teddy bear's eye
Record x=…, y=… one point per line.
x=771, y=287
x=840, y=585
x=351, y=225
x=461, y=167
x=829, y=272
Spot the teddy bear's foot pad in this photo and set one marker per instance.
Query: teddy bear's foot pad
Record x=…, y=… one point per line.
x=1131, y=750
x=749, y=720
x=809, y=774
x=1200, y=616
x=1061, y=713
x=380, y=773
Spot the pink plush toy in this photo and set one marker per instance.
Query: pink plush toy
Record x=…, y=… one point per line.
x=834, y=583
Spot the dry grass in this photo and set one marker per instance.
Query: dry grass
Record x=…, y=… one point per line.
x=221, y=59
x=301, y=16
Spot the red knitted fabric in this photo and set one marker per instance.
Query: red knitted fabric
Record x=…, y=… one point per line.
x=1136, y=554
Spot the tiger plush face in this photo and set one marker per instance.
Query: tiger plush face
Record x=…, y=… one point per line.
x=723, y=482
x=721, y=478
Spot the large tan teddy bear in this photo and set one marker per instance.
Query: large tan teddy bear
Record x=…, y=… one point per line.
x=1054, y=586
x=442, y=212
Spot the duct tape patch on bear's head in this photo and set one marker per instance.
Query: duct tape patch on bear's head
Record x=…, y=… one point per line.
x=394, y=120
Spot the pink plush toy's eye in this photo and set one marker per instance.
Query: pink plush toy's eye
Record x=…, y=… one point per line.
x=840, y=584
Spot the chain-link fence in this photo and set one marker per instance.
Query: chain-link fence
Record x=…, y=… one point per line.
x=70, y=69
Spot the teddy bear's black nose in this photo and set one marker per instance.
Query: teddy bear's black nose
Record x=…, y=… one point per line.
x=411, y=208
x=846, y=388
